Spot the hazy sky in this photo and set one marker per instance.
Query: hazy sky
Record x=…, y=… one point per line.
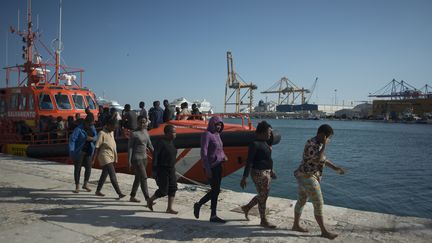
x=152, y=50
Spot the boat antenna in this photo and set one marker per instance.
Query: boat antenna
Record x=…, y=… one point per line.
x=59, y=47
x=18, y=17
x=7, y=46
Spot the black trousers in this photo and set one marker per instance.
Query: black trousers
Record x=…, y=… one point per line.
x=84, y=160
x=166, y=180
x=213, y=194
x=108, y=169
x=140, y=178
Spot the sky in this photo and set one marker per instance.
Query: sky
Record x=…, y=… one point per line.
x=153, y=50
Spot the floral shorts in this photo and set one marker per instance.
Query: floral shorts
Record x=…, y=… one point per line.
x=309, y=188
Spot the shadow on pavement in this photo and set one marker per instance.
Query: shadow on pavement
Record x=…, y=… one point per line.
x=87, y=209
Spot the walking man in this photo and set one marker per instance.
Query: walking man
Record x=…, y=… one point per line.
x=106, y=153
x=139, y=142
x=164, y=159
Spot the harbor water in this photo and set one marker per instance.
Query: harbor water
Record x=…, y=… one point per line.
x=388, y=165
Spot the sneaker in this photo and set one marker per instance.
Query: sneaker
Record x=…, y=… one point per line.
x=216, y=219
x=133, y=199
x=196, y=210
x=121, y=196
x=100, y=194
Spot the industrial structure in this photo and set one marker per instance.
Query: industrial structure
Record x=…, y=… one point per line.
x=236, y=84
x=401, y=100
x=289, y=94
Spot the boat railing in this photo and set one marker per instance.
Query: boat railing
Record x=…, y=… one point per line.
x=245, y=118
x=49, y=138
x=33, y=137
x=42, y=72
x=10, y=134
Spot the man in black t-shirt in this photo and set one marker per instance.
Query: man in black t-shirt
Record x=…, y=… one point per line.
x=164, y=159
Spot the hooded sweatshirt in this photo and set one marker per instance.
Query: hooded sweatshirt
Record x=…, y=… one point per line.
x=212, y=152
x=78, y=139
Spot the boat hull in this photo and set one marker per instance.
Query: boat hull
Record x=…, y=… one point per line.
x=188, y=166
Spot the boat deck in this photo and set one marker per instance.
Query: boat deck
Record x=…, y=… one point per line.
x=37, y=205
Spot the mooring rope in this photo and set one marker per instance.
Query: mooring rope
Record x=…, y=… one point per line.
x=193, y=181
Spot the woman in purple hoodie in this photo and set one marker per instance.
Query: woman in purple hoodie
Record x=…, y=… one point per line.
x=212, y=155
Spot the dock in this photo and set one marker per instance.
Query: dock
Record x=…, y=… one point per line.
x=37, y=205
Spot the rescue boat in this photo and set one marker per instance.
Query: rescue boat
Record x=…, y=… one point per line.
x=40, y=95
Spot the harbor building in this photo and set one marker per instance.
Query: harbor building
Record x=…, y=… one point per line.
x=395, y=108
x=400, y=100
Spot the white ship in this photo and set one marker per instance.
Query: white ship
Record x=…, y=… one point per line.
x=203, y=105
x=109, y=103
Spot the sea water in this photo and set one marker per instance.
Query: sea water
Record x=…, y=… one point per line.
x=388, y=165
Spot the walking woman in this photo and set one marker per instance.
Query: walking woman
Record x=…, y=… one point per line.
x=164, y=159
x=308, y=176
x=106, y=153
x=212, y=155
x=81, y=149
x=261, y=162
x=139, y=142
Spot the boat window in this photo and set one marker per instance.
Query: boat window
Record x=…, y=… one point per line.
x=22, y=100
x=62, y=101
x=45, y=102
x=78, y=102
x=90, y=102
x=13, y=102
x=2, y=107
x=31, y=102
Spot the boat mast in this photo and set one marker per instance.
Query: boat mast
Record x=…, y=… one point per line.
x=29, y=39
x=58, y=49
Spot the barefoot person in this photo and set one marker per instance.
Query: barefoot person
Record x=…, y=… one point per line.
x=309, y=176
x=139, y=142
x=81, y=149
x=212, y=155
x=259, y=158
x=164, y=159
x=106, y=153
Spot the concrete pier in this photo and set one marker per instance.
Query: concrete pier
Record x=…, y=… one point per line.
x=37, y=205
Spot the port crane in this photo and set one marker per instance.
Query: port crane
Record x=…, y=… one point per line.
x=397, y=90
x=426, y=91
x=285, y=89
x=236, y=84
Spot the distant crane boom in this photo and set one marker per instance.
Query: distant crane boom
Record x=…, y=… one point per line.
x=312, y=89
